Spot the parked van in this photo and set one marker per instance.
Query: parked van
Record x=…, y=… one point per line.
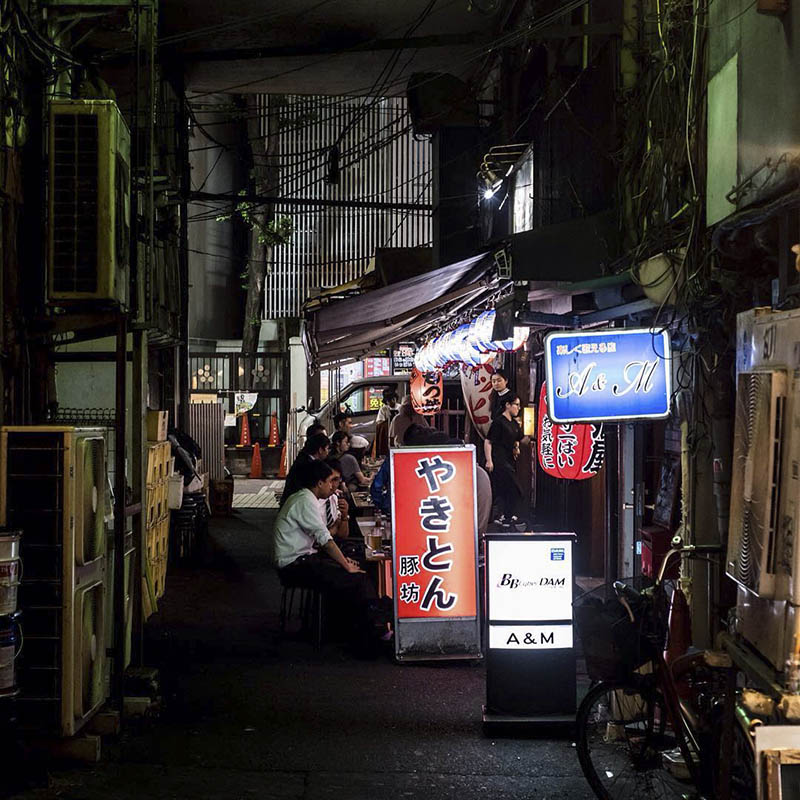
x=363, y=397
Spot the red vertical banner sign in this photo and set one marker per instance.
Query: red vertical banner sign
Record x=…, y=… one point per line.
x=434, y=533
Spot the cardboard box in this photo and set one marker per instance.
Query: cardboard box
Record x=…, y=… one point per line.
x=157, y=426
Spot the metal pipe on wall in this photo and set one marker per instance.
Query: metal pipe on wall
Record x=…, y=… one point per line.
x=118, y=681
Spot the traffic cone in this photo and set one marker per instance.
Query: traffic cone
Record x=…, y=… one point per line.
x=282, y=467
x=244, y=440
x=274, y=439
x=255, y=464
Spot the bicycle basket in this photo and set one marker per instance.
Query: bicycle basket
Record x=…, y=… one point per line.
x=613, y=645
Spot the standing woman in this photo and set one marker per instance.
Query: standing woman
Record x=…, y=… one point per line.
x=504, y=436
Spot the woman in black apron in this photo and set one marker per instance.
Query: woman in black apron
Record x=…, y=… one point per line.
x=499, y=447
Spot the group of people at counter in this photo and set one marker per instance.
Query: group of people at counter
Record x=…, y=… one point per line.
x=316, y=541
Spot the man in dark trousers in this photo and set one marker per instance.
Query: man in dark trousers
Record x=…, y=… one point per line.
x=306, y=554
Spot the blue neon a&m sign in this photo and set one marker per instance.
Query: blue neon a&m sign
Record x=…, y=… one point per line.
x=608, y=375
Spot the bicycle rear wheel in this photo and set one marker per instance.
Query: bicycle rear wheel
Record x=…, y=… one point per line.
x=626, y=746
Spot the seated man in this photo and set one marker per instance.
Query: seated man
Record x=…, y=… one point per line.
x=316, y=448
x=343, y=422
x=305, y=554
x=335, y=510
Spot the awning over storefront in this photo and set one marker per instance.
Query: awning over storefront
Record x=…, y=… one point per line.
x=353, y=328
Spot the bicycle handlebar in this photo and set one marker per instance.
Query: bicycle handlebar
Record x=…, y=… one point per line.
x=623, y=590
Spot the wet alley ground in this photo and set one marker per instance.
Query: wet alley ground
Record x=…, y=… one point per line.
x=246, y=715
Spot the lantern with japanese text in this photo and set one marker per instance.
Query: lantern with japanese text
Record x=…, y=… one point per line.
x=476, y=385
x=427, y=391
x=572, y=452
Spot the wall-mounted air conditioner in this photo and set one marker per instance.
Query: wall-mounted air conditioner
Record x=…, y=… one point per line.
x=52, y=486
x=88, y=202
x=756, y=480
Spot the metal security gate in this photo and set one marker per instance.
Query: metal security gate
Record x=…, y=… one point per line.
x=225, y=374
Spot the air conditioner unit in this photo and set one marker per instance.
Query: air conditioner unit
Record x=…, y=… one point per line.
x=109, y=633
x=52, y=486
x=88, y=202
x=754, y=529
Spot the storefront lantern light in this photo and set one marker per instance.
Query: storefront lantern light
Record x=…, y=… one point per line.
x=529, y=421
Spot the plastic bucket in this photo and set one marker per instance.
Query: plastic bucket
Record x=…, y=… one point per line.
x=10, y=647
x=9, y=545
x=10, y=578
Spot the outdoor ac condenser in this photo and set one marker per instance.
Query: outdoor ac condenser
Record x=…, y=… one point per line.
x=88, y=202
x=52, y=487
x=764, y=535
x=756, y=480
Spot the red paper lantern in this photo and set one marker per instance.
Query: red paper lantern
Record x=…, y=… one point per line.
x=427, y=391
x=572, y=452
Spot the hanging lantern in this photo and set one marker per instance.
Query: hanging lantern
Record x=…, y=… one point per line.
x=572, y=452
x=484, y=325
x=476, y=386
x=427, y=391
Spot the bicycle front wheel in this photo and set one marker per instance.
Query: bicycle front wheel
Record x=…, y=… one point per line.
x=626, y=746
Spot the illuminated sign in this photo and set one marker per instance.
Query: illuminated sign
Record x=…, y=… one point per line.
x=434, y=532
x=608, y=375
x=530, y=580
x=530, y=659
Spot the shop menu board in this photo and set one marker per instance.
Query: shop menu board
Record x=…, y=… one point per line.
x=403, y=357
x=530, y=583
x=435, y=532
x=608, y=375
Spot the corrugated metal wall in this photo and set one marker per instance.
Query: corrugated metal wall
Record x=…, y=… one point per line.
x=380, y=161
x=206, y=422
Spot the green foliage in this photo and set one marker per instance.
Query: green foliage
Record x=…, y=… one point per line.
x=273, y=232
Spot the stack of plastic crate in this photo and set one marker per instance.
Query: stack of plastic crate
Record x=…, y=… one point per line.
x=159, y=469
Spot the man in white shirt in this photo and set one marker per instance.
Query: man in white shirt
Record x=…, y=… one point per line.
x=306, y=554
x=335, y=510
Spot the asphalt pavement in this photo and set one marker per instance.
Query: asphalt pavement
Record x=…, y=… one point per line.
x=245, y=714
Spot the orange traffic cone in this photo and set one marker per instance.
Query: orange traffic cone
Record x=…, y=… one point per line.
x=244, y=440
x=274, y=439
x=255, y=464
x=282, y=467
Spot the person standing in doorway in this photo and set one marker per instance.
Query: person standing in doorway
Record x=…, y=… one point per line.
x=505, y=434
x=500, y=391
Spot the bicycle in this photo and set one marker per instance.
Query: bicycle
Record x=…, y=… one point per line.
x=638, y=734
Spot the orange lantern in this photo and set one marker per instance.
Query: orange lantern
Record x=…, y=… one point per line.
x=427, y=391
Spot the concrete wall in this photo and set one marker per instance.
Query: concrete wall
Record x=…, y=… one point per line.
x=216, y=249
x=768, y=66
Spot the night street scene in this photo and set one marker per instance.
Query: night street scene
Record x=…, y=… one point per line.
x=400, y=400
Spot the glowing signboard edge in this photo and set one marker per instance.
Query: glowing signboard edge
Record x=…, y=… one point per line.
x=395, y=601
x=605, y=332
